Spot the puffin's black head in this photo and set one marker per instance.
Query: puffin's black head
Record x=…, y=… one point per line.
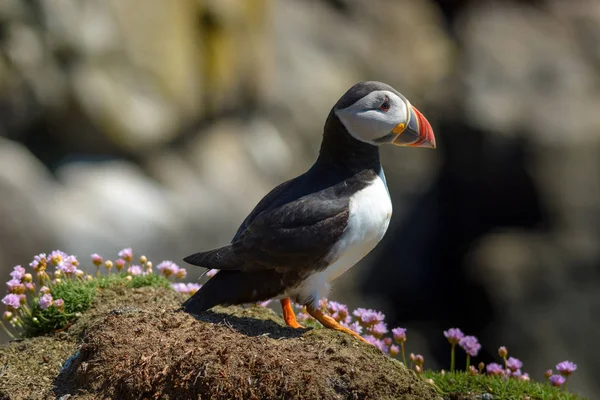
x=376, y=113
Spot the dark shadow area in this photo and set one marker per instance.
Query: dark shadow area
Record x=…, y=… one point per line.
x=251, y=326
x=422, y=273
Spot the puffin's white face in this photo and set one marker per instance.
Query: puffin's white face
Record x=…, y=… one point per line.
x=384, y=117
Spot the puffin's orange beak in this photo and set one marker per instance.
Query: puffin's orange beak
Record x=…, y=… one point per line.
x=417, y=133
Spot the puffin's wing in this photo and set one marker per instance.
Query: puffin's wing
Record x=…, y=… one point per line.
x=293, y=236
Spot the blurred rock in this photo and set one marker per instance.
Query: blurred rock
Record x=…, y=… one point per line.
x=25, y=187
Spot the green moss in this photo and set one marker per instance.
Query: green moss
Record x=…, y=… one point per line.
x=78, y=296
x=460, y=385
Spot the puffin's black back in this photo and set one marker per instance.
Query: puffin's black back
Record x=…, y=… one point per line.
x=344, y=166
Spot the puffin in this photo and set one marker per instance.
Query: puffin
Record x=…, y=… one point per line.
x=311, y=229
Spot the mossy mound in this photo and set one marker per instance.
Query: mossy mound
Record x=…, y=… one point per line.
x=133, y=345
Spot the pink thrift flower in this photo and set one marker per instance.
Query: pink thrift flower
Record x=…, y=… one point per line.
x=470, y=345
x=97, y=260
x=494, y=369
x=59, y=303
x=56, y=257
x=302, y=316
x=502, y=352
x=557, y=380
x=119, y=264
x=38, y=262
x=566, y=368
x=354, y=326
x=12, y=300
x=15, y=286
x=454, y=335
x=44, y=290
x=178, y=287
x=399, y=335
x=548, y=373
x=134, y=270
x=181, y=273
x=378, y=330
x=388, y=341
x=514, y=364
x=167, y=268
x=193, y=287
x=45, y=301
x=394, y=350
x=376, y=342
x=212, y=273
x=126, y=254
x=368, y=317
x=18, y=272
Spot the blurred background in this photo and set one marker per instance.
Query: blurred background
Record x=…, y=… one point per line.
x=160, y=124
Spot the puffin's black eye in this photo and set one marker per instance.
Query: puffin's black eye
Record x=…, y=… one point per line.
x=385, y=106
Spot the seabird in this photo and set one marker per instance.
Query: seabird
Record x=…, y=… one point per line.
x=311, y=229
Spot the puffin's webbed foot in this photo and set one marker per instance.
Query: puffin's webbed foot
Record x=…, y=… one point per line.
x=331, y=323
x=288, y=314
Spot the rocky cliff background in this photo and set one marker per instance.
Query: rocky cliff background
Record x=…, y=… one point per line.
x=160, y=124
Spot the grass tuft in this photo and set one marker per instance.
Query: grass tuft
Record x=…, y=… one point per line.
x=464, y=386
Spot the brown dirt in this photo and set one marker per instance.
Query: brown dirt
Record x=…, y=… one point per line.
x=147, y=351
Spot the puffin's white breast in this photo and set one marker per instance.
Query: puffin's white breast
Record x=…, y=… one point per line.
x=368, y=219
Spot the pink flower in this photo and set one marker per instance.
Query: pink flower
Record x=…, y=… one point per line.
x=193, y=287
x=212, y=273
x=97, y=260
x=59, y=303
x=17, y=272
x=557, y=380
x=454, y=335
x=514, y=364
x=168, y=268
x=378, y=330
x=12, y=300
x=179, y=287
x=45, y=301
x=494, y=369
x=470, y=345
x=38, y=262
x=119, y=264
x=44, y=290
x=134, y=270
x=566, y=368
x=126, y=254
x=376, y=342
x=399, y=335
x=368, y=317
x=338, y=311
x=394, y=350
x=181, y=273
x=354, y=326
x=15, y=286
x=56, y=257
x=502, y=352
x=68, y=265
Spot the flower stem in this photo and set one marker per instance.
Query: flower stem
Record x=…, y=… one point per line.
x=10, y=335
x=468, y=361
x=452, y=358
x=403, y=356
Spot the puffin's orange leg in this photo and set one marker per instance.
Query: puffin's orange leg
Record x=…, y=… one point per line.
x=288, y=314
x=331, y=323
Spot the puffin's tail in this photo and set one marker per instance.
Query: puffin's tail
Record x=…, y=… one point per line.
x=236, y=287
x=209, y=295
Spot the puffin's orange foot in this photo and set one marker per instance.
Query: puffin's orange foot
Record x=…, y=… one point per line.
x=331, y=323
x=288, y=314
